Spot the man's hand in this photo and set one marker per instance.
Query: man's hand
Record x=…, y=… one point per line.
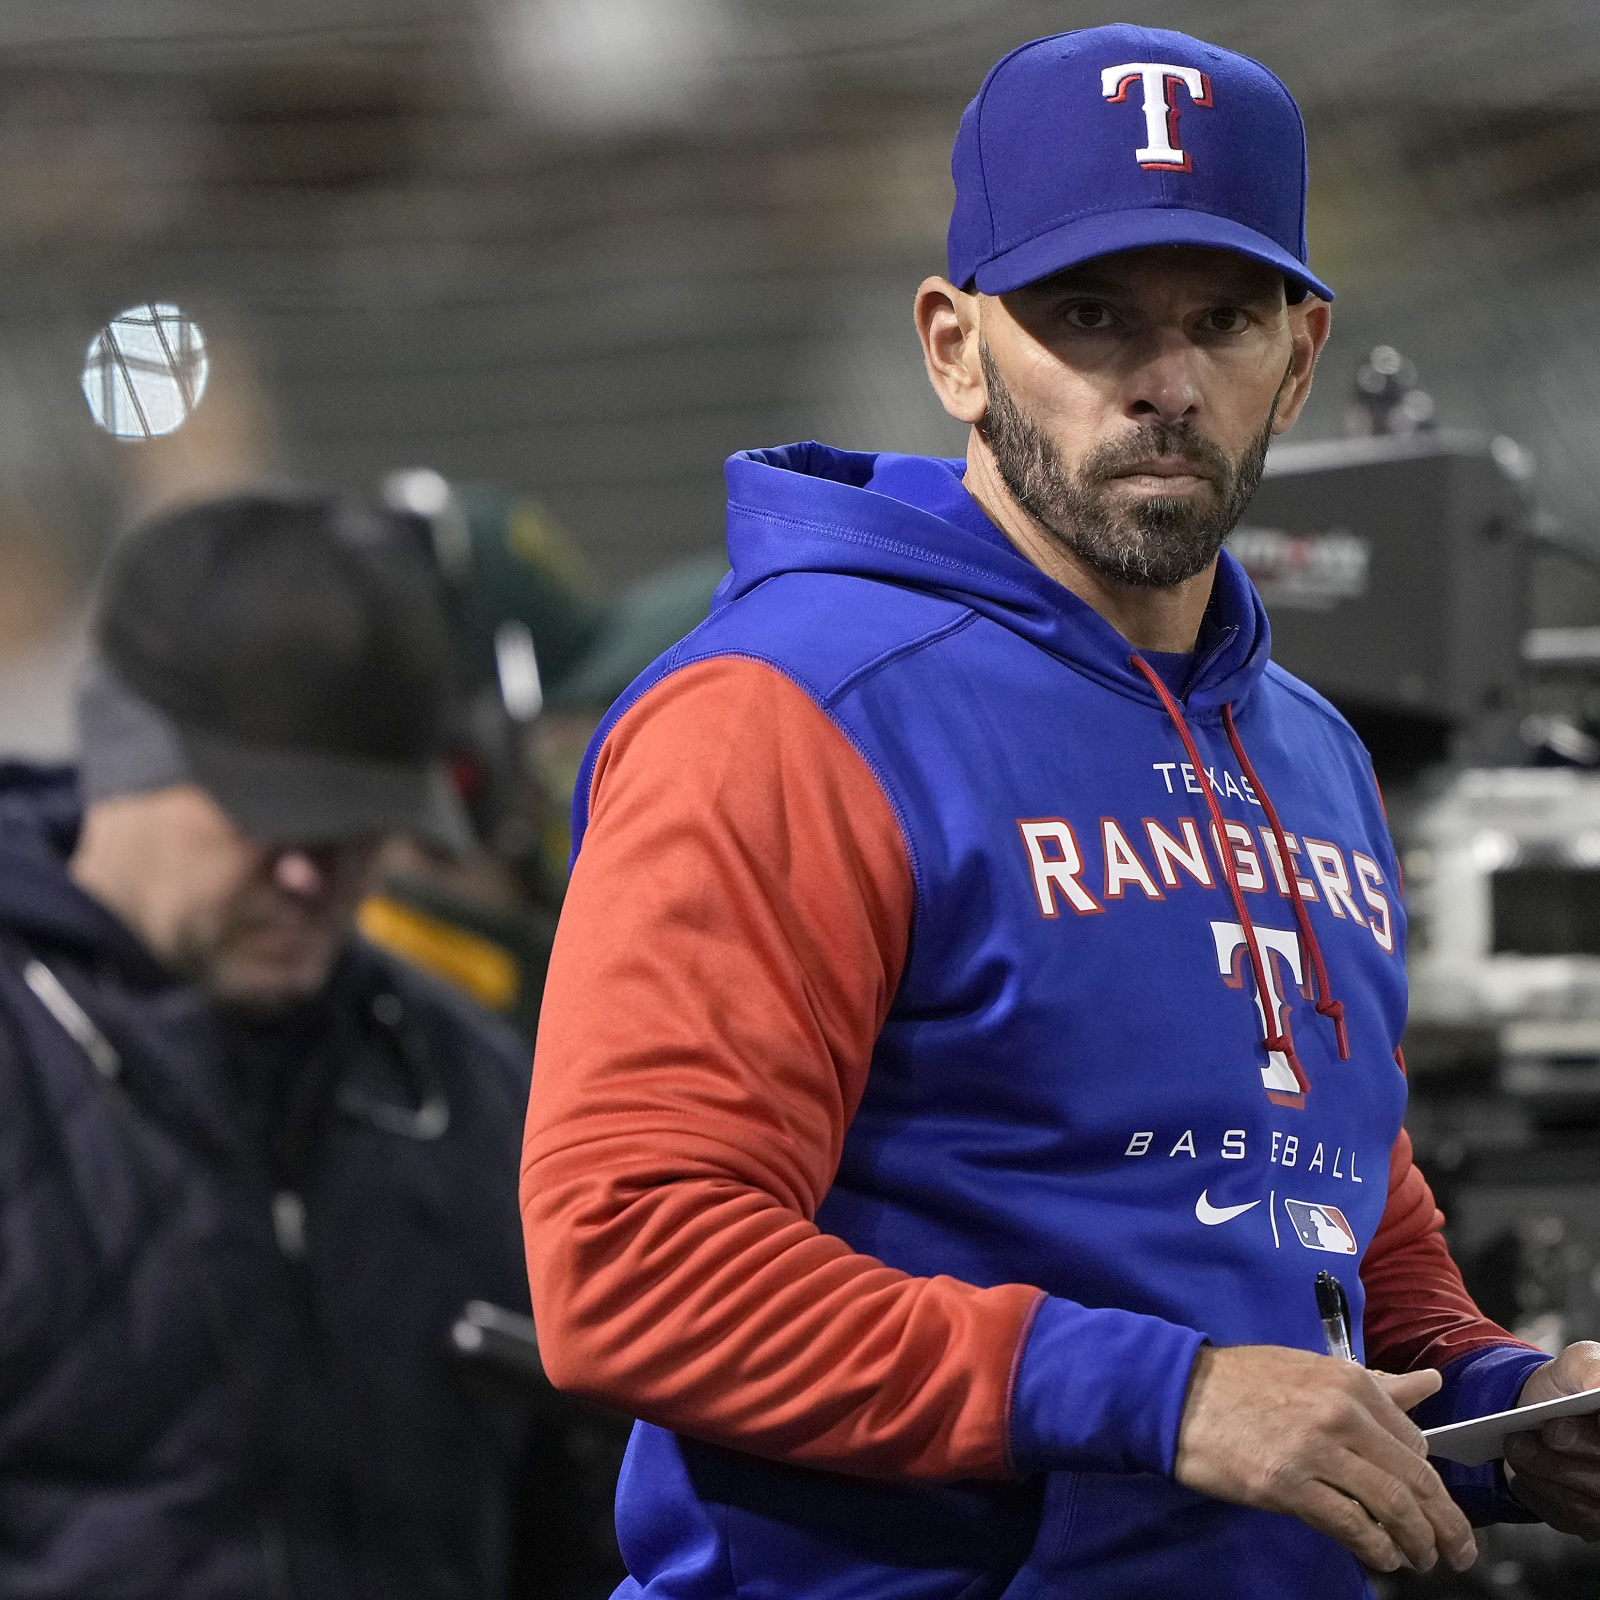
x=1325, y=1441
x=1557, y=1468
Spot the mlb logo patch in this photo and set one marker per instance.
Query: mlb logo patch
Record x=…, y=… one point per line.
x=1321, y=1227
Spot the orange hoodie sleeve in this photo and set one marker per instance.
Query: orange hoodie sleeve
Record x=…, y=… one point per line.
x=1419, y=1313
x=732, y=938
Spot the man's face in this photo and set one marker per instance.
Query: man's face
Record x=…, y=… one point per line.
x=1131, y=401
x=259, y=926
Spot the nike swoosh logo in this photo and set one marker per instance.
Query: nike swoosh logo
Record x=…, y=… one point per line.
x=1211, y=1215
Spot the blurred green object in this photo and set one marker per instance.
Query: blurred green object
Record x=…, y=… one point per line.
x=484, y=922
x=646, y=620
x=521, y=566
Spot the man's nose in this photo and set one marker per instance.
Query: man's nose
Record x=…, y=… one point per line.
x=1164, y=385
x=299, y=874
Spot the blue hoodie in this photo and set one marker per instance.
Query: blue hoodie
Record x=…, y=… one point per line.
x=1074, y=1088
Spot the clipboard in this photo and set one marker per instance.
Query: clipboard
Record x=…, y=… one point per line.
x=1483, y=1439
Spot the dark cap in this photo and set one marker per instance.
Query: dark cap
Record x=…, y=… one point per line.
x=289, y=653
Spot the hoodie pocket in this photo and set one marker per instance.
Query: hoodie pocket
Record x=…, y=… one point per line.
x=1057, y=1521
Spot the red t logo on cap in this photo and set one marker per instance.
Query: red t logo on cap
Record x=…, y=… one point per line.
x=1159, y=81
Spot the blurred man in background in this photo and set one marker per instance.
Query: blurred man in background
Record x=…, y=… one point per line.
x=250, y=1169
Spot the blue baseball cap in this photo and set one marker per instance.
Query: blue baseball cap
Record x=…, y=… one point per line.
x=1116, y=138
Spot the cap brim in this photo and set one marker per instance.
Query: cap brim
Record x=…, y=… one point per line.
x=307, y=797
x=1084, y=238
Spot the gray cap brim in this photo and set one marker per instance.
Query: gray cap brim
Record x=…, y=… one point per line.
x=275, y=793
x=306, y=797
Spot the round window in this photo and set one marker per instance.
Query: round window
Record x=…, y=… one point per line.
x=146, y=370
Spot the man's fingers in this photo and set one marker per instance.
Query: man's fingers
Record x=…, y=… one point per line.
x=1555, y=1470
x=1556, y=1503
x=1343, y=1519
x=1403, y=1390
x=1529, y=1456
x=1396, y=1486
x=1389, y=1502
x=1390, y=1439
x=1572, y=1438
x=1413, y=1507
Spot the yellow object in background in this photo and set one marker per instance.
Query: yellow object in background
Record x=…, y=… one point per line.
x=483, y=969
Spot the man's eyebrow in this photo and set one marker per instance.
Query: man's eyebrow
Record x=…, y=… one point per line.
x=1267, y=291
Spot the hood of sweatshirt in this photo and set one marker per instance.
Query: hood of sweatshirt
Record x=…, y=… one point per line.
x=908, y=520
x=40, y=906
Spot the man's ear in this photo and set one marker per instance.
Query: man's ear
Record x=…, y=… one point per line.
x=1308, y=326
x=947, y=322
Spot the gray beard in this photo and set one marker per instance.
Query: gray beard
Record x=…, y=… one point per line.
x=1153, y=544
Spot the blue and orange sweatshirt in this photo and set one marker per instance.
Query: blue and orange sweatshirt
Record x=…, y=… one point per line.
x=952, y=1025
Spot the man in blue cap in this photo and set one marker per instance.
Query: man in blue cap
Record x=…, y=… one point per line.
x=970, y=1059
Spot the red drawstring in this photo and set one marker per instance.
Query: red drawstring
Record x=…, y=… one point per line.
x=1327, y=1006
x=1281, y=1043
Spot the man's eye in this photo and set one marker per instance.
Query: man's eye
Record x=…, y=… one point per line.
x=1088, y=316
x=1225, y=319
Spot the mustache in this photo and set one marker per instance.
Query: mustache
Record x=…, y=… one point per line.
x=252, y=918
x=1156, y=441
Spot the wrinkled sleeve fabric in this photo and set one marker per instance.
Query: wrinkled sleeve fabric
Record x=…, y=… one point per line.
x=732, y=939
x=1419, y=1314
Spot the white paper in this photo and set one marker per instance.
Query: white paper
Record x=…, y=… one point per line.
x=1483, y=1438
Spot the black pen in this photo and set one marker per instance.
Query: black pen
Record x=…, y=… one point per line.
x=1333, y=1306
x=1334, y=1309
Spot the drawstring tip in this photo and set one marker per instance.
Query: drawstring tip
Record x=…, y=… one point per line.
x=1335, y=1009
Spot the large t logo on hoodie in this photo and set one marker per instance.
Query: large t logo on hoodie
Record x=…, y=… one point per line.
x=1233, y=960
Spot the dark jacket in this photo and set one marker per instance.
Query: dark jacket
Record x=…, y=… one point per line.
x=229, y=1261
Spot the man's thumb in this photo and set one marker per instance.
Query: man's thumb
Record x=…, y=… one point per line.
x=1408, y=1389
